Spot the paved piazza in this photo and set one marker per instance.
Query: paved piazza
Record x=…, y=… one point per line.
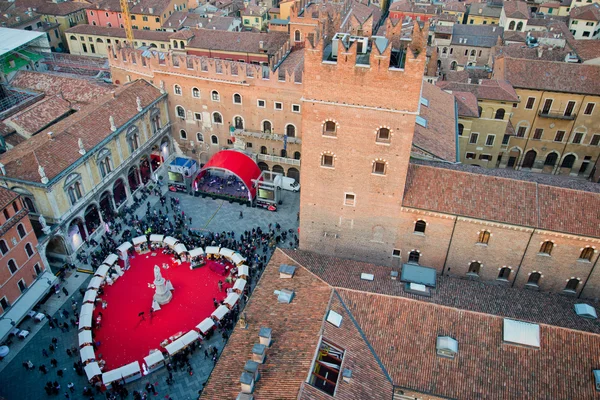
x=207, y=214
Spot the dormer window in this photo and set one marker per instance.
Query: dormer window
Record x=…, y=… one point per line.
x=326, y=368
x=446, y=347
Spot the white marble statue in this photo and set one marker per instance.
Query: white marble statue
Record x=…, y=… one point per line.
x=45, y=227
x=162, y=288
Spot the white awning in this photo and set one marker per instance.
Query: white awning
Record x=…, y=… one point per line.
x=85, y=321
x=111, y=259
x=124, y=247
x=157, y=238
x=189, y=337
x=232, y=298
x=237, y=259
x=85, y=337
x=87, y=353
x=95, y=282
x=130, y=369
x=87, y=308
x=154, y=358
x=90, y=296
x=226, y=252
x=180, y=248
x=205, y=325
x=102, y=271
x=92, y=370
x=111, y=376
x=240, y=284
x=174, y=347
x=170, y=240
x=21, y=307
x=211, y=250
x=139, y=240
x=243, y=270
x=196, y=252
x=220, y=312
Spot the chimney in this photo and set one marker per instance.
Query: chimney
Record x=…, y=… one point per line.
x=284, y=295
x=114, y=94
x=251, y=367
x=18, y=19
x=286, y=271
x=259, y=353
x=151, y=10
x=50, y=135
x=394, y=275
x=540, y=51
x=347, y=375
x=113, y=127
x=247, y=382
x=261, y=45
x=264, y=336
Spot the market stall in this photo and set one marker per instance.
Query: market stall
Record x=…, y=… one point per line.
x=211, y=252
x=175, y=347
x=95, y=282
x=237, y=259
x=110, y=260
x=239, y=286
x=85, y=321
x=231, y=299
x=87, y=354
x=205, y=326
x=102, y=271
x=85, y=338
x=140, y=244
x=219, y=313
x=154, y=361
x=122, y=250
x=170, y=241
x=131, y=372
x=92, y=370
x=90, y=296
x=244, y=272
x=225, y=252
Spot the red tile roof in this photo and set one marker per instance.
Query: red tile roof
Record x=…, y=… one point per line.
x=91, y=124
x=6, y=197
x=245, y=42
x=467, y=104
x=500, y=199
x=586, y=49
x=590, y=12
x=50, y=8
x=487, y=90
x=150, y=7
x=516, y=9
x=41, y=114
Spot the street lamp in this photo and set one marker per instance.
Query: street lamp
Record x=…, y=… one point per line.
x=12, y=322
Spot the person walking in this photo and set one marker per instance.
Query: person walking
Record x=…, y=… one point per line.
x=65, y=291
x=220, y=284
x=241, y=215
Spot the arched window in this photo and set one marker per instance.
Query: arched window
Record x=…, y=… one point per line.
x=133, y=140
x=534, y=279
x=12, y=266
x=444, y=50
x=511, y=26
x=484, y=237
x=74, y=188
x=99, y=40
x=572, y=285
x=327, y=160
x=547, y=247
x=453, y=66
x=520, y=26
x=196, y=93
x=568, y=161
x=180, y=112
x=263, y=149
x=420, y=226
x=290, y=130
x=29, y=250
x=297, y=36
x=504, y=273
x=104, y=162
x=3, y=247
x=177, y=90
x=474, y=268
x=413, y=257
x=237, y=98
x=329, y=128
x=551, y=159
x=473, y=53
x=214, y=139
x=199, y=137
x=183, y=134
x=214, y=95
x=461, y=129
x=500, y=113
x=267, y=127
x=73, y=37
x=175, y=45
x=217, y=118
x=182, y=44
x=283, y=153
x=587, y=254
x=383, y=135
x=379, y=167
x=238, y=122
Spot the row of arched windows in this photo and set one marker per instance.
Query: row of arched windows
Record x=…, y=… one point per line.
x=214, y=95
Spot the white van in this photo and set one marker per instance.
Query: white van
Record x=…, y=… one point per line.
x=285, y=183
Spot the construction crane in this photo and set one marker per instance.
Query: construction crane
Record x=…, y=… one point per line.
x=127, y=20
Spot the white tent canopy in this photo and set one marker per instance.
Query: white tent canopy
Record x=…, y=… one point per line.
x=87, y=353
x=220, y=312
x=205, y=325
x=85, y=321
x=111, y=259
x=127, y=371
x=87, y=308
x=180, y=248
x=85, y=337
x=232, y=298
x=92, y=370
x=90, y=296
x=95, y=282
x=111, y=376
x=124, y=247
x=240, y=284
x=170, y=240
x=174, y=347
x=243, y=270
x=189, y=337
x=211, y=250
x=196, y=252
x=237, y=259
x=139, y=240
x=157, y=238
x=154, y=358
x=226, y=252
x=102, y=271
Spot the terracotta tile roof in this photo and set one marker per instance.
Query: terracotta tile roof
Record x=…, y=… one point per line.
x=590, y=12
x=438, y=138
x=108, y=5
x=486, y=197
x=456, y=292
x=184, y=34
x=180, y=19
x=150, y=7
x=586, y=50
x=457, y=6
x=295, y=331
x=91, y=124
x=247, y=42
x=514, y=36
x=71, y=89
x=362, y=12
x=49, y=8
x=38, y=116
x=410, y=7
x=483, y=9
x=537, y=53
x=6, y=197
x=516, y=9
x=467, y=104
x=476, y=35
x=488, y=89
x=549, y=76
x=139, y=34
x=253, y=9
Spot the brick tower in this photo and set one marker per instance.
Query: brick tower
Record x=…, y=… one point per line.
x=358, y=118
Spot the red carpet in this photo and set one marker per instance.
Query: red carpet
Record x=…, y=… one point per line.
x=124, y=336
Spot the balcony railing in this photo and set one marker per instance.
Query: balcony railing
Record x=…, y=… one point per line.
x=557, y=115
x=279, y=160
x=266, y=136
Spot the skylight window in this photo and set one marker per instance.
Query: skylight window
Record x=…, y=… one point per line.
x=326, y=368
x=421, y=121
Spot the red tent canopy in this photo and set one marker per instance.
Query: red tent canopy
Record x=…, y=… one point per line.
x=236, y=163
